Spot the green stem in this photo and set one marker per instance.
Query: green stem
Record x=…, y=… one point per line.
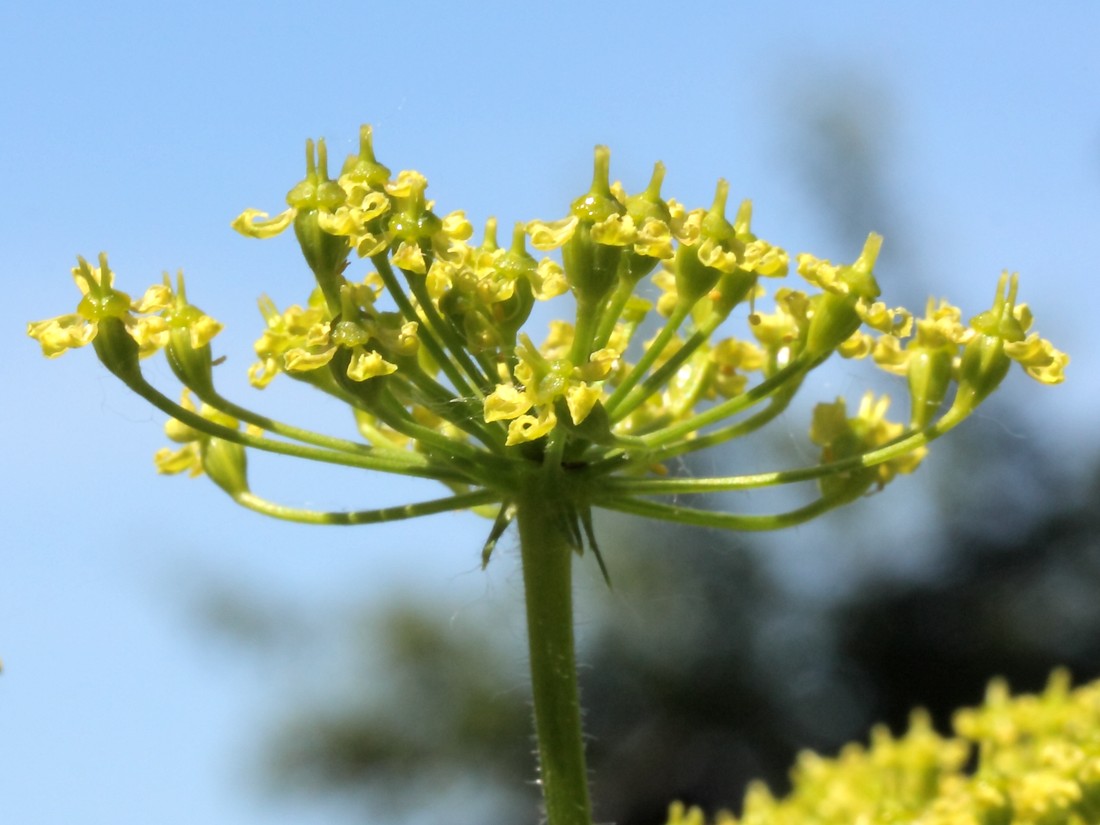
x=397, y=513
x=547, y=552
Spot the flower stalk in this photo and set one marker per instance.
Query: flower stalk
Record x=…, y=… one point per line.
x=546, y=548
x=424, y=336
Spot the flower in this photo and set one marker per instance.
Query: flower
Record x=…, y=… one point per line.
x=101, y=300
x=841, y=437
x=543, y=379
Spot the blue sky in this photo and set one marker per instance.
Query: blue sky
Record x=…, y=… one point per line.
x=143, y=129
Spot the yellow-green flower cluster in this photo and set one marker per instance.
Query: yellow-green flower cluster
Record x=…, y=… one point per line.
x=1025, y=760
x=668, y=342
x=148, y=321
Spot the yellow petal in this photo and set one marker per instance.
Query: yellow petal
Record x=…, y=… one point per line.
x=546, y=236
x=252, y=223
x=203, y=329
x=156, y=298
x=409, y=257
x=57, y=335
x=1039, y=358
x=302, y=360
x=615, y=230
x=364, y=365
x=654, y=240
x=581, y=398
x=185, y=459
x=552, y=281
x=528, y=428
x=505, y=403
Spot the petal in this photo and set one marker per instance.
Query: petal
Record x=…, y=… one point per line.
x=302, y=360
x=654, y=240
x=409, y=258
x=552, y=282
x=252, y=223
x=528, y=428
x=203, y=329
x=581, y=398
x=546, y=236
x=156, y=298
x=1039, y=358
x=615, y=230
x=185, y=459
x=506, y=402
x=57, y=335
x=364, y=365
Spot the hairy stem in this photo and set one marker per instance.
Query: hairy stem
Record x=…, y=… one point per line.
x=547, y=552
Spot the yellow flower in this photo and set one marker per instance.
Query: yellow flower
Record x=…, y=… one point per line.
x=842, y=437
x=101, y=300
x=654, y=240
x=1036, y=355
x=545, y=376
x=286, y=331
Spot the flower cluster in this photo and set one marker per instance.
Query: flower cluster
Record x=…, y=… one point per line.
x=427, y=341
x=1037, y=763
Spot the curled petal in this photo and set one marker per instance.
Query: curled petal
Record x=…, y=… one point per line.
x=600, y=364
x=156, y=298
x=261, y=373
x=368, y=245
x=581, y=398
x=457, y=227
x=57, y=335
x=203, y=329
x=343, y=221
x=1039, y=358
x=615, y=230
x=897, y=321
x=252, y=223
x=302, y=360
x=552, y=282
x=529, y=428
x=364, y=365
x=546, y=236
x=151, y=334
x=764, y=259
x=859, y=345
x=889, y=355
x=713, y=255
x=821, y=274
x=654, y=240
x=686, y=226
x=408, y=183
x=409, y=257
x=506, y=403
x=187, y=459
